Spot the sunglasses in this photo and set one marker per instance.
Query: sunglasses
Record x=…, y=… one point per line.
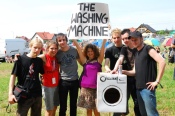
x=125, y=38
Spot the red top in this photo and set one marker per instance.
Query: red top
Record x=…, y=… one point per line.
x=51, y=74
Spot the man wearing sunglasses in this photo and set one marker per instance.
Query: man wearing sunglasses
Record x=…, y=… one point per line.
x=112, y=55
x=127, y=56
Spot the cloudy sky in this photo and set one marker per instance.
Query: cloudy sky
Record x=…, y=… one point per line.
x=25, y=17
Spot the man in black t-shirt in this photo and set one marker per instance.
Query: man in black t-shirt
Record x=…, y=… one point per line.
x=145, y=71
x=112, y=53
x=27, y=69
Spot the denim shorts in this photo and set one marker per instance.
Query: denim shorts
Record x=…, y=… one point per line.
x=51, y=97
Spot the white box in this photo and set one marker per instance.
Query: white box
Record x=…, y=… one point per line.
x=111, y=92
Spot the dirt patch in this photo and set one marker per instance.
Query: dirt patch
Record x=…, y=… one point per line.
x=5, y=73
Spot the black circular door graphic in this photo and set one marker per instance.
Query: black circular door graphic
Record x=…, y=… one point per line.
x=112, y=95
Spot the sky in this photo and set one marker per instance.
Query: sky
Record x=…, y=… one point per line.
x=25, y=17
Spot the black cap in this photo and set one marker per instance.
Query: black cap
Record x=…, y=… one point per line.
x=135, y=34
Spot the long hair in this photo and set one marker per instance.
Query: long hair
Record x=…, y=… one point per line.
x=94, y=49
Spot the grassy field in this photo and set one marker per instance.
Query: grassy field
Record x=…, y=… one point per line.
x=165, y=96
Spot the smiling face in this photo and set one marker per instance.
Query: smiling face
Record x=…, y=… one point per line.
x=125, y=39
x=90, y=53
x=137, y=42
x=52, y=49
x=116, y=38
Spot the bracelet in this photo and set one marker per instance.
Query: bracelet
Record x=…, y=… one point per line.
x=159, y=84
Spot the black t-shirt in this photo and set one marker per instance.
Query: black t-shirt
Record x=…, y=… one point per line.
x=145, y=66
x=29, y=67
x=129, y=56
x=113, y=54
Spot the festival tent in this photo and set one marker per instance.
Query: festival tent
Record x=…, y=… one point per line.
x=147, y=41
x=98, y=43
x=167, y=42
x=172, y=32
x=109, y=45
x=152, y=41
x=95, y=42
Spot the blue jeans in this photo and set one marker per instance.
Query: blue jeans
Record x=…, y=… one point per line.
x=70, y=87
x=147, y=102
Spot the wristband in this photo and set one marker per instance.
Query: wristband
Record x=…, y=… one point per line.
x=159, y=84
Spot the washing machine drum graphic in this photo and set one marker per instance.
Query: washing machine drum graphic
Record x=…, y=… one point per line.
x=111, y=92
x=112, y=95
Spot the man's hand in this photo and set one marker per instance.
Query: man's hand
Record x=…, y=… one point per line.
x=152, y=85
x=108, y=71
x=113, y=72
x=12, y=99
x=16, y=57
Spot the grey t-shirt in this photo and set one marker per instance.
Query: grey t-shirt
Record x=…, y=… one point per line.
x=68, y=64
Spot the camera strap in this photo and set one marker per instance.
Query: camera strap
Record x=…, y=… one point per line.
x=8, y=108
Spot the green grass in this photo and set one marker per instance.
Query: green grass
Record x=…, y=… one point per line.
x=165, y=96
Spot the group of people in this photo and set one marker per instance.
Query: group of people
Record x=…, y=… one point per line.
x=139, y=62
x=164, y=51
x=168, y=53
x=9, y=59
x=59, y=74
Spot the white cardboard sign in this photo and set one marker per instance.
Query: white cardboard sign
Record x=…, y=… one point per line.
x=89, y=21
